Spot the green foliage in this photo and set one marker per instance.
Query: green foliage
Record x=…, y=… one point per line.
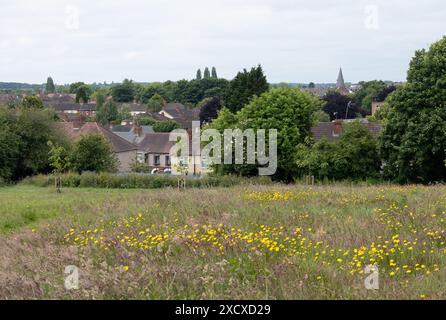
x=414, y=139
x=107, y=113
x=24, y=135
x=207, y=73
x=199, y=76
x=50, y=87
x=101, y=97
x=58, y=158
x=156, y=103
x=83, y=94
x=75, y=86
x=244, y=87
x=124, y=92
x=93, y=153
x=32, y=102
x=368, y=91
x=166, y=126
x=9, y=151
x=214, y=73
x=139, y=181
x=193, y=92
x=290, y=111
x=321, y=116
x=354, y=156
x=147, y=121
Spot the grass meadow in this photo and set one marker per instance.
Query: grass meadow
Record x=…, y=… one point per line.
x=241, y=242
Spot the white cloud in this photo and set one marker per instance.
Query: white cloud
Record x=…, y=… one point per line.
x=296, y=41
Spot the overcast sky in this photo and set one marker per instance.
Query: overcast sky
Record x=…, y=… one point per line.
x=146, y=40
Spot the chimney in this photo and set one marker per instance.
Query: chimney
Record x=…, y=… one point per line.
x=337, y=128
x=137, y=129
x=78, y=123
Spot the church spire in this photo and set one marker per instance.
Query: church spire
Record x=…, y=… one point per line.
x=340, y=83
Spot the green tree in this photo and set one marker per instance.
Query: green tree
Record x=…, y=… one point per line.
x=93, y=153
x=199, y=76
x=32, y=102
x=9, y=151
x=207, y=73
x=74, y=86
x=166, y=126
x=147, y=121
x=107, y=113
x=214, y=73
x=156, y=103
x=58, y=158
x=368, y=91
x=124, y=92
x=354, y=156
x=321, y=116
x=414, y=138
x=23, y=138
x=101, y=97
x=50, y=87
x=290, y=111
x=244, y=87
x=83, y=93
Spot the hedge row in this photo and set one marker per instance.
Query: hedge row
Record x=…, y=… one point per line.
x=139, y=181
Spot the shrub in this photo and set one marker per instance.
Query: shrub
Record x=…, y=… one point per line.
x=140, y=181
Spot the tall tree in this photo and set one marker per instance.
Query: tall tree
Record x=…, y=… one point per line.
x=289, y=111
x=25, y=134
x=413, y=143
x=83, y=94
x=209, y=111
x=199, y=76
x=207, y=73
x=124, y=92
x=107, y=113
x=156, y=103
x=364, y=96
x=244, y=87
x=214, y=73
x=50, y=87
x=338, y=106
x=93, y=153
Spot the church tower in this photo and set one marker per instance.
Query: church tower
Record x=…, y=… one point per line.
x=340, y=84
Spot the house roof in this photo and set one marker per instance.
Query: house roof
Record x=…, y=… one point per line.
x=326, y=130
x=181, y=114
x=156, y=143
x=135, y=107
x=118, y=144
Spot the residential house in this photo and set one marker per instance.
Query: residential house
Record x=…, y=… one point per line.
x=134, y=133
x=333, y=130
x=135, y=108
x=181, y=114
x=125, y=151
x=154, y=151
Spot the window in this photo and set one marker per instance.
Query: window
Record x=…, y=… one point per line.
x=157, y=160
x=168, y=162
x=141, y=157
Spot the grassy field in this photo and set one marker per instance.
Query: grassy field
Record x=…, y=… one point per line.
x=272, y=242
